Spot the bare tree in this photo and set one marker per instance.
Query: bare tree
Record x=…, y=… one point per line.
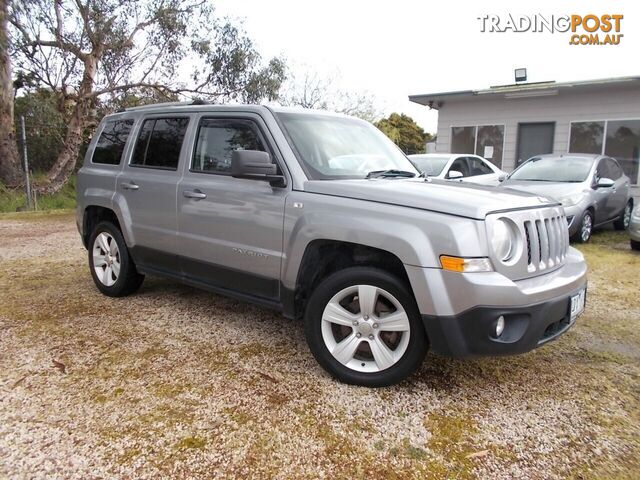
x=9, y=158
x=85, y=50
x=309, y=89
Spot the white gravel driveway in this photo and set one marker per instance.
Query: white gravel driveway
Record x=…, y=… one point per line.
x=178, y=383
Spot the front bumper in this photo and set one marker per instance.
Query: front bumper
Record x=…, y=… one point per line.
x=460, y=309
x=526, y=327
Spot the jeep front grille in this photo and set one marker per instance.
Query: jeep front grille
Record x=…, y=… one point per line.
x=547, y=240
x=544, y=241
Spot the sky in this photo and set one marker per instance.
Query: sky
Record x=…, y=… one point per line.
x=394, y=49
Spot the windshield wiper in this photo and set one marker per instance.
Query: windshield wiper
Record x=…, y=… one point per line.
x=390, y=173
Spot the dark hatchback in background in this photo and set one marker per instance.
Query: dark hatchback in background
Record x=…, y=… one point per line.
x=593, y=189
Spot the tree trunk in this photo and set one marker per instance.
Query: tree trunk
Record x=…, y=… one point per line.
x=10, y=170
x=66, y=161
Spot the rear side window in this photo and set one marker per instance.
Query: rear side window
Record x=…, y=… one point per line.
x=217, y=139
x=159, y=143
x=111, y=143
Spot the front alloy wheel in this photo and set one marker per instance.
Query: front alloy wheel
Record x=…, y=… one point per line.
x=363, y=326
x=623, y=222
x=586, y=228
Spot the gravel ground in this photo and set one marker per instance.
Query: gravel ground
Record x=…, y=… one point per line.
x=175, y=382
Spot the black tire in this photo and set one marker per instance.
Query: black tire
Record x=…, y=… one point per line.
x=622, y=223
x=416, y=347
x=578, y=237
x=635, y=245
x=128, y=280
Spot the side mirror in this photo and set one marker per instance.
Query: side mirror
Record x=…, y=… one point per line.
x=605, y=183
x=255, y=165
x=502, y=177
x=453, y=174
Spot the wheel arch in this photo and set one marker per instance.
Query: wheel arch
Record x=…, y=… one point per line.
x=92, y=216
x=323, y=257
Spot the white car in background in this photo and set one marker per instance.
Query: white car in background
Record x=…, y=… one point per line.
x=458, y=166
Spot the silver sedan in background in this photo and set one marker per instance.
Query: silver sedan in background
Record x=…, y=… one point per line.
x=593, y=189
x=462, y=167
x=634, y=229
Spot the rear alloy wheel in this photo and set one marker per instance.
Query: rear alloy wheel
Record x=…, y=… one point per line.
x=586, y=228
x=364, y=328
x=112, y=269
x=622, y=223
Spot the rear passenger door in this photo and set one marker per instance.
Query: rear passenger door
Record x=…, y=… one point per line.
x=147, y=187
x=230, y=229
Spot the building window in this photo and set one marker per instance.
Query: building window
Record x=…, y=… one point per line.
x=489, y=143
x=586, y=137
x=463, y=139
x=619, y=139
x=623, y=144
x=484, y=140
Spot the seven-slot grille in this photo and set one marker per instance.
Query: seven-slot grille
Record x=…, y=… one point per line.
x=547, y=240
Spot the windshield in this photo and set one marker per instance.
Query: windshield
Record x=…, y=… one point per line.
x=558, y=169
x=431, y=166
x=333, y=147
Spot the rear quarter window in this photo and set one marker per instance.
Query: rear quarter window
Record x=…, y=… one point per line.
x=110, y=145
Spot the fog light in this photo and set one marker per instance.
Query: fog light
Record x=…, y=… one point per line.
x=499, y=326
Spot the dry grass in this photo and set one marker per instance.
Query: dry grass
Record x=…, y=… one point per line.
x=174, y=382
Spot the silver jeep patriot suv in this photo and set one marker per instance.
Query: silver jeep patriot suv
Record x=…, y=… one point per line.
x=322, y=217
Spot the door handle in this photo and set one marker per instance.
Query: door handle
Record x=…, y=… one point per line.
x=130, y=186
x=195, y=194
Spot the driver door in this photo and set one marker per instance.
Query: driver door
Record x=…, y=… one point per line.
x=230, y=229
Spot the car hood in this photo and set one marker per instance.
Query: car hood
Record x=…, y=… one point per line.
x=553, y=190
x=461, y=199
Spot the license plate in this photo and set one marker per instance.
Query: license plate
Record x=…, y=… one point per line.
x=577, y=304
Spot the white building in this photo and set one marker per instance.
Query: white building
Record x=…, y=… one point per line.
x=511, y=123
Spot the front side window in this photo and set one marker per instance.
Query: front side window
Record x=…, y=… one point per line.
x=613, y=171
x=602, y=170
x=112, y=141
x=159, y=143
x=478, y=167
x=217, y=139
x=459, y=165
x=332, y=147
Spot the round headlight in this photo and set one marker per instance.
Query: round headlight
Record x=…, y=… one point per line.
x=503, y=240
